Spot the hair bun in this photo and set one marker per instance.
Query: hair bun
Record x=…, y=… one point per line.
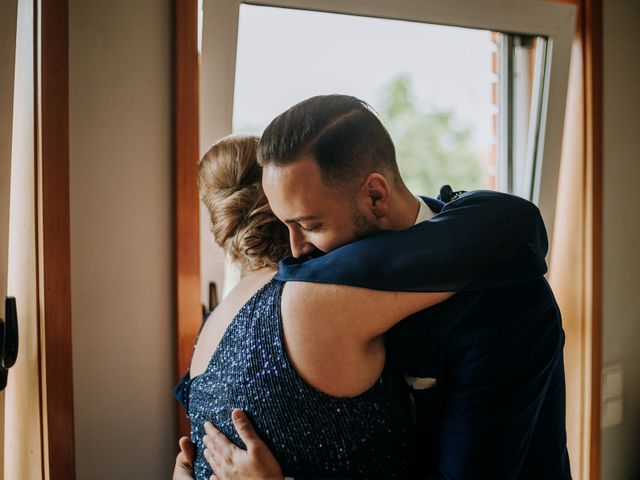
x=242, y=221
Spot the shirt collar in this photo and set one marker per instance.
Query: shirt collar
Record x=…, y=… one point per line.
x=424, y=213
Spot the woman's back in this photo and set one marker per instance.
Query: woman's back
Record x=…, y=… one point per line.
x=310, y=432
x=322, y=401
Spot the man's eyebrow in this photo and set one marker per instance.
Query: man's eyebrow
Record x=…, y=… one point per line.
x=301, y=219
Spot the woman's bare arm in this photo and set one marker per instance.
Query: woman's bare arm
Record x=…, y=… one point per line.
x=334, y=333
x=356, y=312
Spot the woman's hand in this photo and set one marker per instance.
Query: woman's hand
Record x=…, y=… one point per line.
x=230, y=462
x=184, y=461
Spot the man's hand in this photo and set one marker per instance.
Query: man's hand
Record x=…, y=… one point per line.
x=184, y=461
x=230, y=462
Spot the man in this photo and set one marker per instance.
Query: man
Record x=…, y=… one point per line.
x=485, y=367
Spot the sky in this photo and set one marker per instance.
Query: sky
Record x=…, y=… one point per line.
x=285, y=56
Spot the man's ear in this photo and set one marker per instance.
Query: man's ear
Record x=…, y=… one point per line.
x=376, y=191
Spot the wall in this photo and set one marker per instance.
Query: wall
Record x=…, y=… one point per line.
x=621, y=329
x=121, y=217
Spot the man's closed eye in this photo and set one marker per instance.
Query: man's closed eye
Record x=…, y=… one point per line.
x=313, y=228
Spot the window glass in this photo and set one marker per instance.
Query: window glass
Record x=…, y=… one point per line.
x=433, y=86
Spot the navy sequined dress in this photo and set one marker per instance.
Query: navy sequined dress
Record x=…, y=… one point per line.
x=309, y=432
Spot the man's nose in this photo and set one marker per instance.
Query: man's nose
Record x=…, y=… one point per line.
x=300, y=246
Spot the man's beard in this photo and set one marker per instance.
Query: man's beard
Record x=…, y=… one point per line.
x=362, y=226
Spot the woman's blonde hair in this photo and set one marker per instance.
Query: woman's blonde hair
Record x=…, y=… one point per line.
x=242, y=221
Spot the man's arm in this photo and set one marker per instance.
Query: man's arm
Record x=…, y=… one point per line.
x=227, y=460
x=482, y=240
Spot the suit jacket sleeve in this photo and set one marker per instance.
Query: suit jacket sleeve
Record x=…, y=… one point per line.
x=484, y=239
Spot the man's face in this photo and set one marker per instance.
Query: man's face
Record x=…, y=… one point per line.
x=319, y=217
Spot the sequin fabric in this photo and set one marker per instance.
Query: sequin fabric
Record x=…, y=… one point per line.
x=309, y=432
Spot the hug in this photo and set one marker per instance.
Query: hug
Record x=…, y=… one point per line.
x=373, y=333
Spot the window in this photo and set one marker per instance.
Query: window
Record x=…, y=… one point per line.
x=485, y=80
x=494, y=74
x=522, y=61
x=430, y=84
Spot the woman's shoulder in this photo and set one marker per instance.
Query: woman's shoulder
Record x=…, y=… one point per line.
x=237, y=301
x=325, y=343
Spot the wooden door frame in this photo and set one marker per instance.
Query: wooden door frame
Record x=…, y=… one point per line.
x=186, y=74
x=54, y=256
x=591, y=35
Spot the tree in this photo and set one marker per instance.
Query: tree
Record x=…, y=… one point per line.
x=433, y=148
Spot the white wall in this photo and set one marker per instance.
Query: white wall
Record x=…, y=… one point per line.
x=121, y=238
x=621, y=336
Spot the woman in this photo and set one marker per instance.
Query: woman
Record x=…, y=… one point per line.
x=317, y=392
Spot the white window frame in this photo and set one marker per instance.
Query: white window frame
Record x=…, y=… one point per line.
x=555, y=21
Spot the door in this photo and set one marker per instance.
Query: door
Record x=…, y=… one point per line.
x=21, y=413
x=7, y=62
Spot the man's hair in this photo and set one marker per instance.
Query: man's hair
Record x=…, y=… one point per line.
x=341, y=132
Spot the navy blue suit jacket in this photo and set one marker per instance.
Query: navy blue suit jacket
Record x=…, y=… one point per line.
x=498, y=410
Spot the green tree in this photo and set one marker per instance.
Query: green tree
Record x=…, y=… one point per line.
x=433, y=148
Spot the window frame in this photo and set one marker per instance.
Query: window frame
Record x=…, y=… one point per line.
x=555, y=21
